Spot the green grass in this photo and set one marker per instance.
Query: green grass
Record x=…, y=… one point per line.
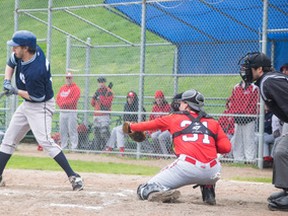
x=40, y=163
x=46, y=163
x=245, y=178
x=241, y=165
x=122, y=60
x=252, y=179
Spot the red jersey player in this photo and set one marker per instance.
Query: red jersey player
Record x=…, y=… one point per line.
x=198, y=138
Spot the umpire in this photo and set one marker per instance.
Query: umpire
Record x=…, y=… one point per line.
x=274, y=91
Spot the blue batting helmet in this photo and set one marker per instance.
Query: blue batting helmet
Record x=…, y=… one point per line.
x=23, y=38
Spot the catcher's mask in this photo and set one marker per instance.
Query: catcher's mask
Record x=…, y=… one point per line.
x=253, y=60
x=194, y=99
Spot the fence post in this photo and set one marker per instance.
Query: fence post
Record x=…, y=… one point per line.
x=68, y=52
x=175, y=71
x=261, y=118
x=142, y=67
x=87, y=72
x=49, y=30
x=16, y=23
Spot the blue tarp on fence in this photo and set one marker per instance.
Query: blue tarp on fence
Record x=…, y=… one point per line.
x=231, y=27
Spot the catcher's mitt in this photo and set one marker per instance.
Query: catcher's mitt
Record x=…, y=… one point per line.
x=137, y=136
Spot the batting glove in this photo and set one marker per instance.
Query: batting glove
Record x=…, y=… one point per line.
x=9, y=88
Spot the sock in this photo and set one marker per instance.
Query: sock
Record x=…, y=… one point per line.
x=4, y=158
x=63, y=162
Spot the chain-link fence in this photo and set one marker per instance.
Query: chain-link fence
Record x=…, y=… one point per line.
x=176, y=50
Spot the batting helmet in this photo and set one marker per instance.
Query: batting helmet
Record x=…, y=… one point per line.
x=253, y=60
x=23, y=38
x=194, y=99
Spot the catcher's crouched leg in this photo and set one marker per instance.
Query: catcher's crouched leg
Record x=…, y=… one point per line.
x=208, y=194
x=155, y=192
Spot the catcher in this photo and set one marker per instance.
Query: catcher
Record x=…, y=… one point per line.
x=197, y=139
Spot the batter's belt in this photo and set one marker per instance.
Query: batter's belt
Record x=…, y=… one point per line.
x=194, y=161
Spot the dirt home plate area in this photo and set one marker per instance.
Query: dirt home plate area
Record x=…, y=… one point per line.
x=43, y=193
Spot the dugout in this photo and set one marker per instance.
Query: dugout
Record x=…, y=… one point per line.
x=193, y=26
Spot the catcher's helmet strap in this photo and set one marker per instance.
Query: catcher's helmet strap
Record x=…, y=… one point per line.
x=196, y=127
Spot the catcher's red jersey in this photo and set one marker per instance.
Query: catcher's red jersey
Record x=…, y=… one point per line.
x=199, y=146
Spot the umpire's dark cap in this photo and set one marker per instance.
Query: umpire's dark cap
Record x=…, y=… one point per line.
x=101, y=79
x=256, y=60
x=23, y=38
x=194, y=99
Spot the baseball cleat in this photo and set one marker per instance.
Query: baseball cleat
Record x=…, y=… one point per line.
x=164, y=196
x=77, y=182
x=273, y=207
x=208, y=194
x=276, y=195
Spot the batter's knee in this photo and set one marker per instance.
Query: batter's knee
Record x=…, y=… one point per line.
x=51, y=147
x=8, y=148
x=144, y=190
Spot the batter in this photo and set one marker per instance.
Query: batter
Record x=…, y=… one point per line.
x=34, y=85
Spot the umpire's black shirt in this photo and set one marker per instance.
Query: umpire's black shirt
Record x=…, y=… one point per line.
x=274, y=91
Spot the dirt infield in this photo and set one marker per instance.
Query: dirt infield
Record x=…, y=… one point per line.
x=31, y=192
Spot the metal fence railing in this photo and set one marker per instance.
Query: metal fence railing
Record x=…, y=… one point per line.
x=92, y=39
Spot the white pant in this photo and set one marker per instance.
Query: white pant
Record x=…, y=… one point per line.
x=68, y=129
x=117, y=137
x=285, y=128
x=38, y=118
x=243, y=142
x=180, y=173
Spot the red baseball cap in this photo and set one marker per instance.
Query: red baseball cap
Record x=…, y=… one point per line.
x=131, y=94
x=159, y=94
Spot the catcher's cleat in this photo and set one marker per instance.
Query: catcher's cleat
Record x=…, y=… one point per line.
x=2, y=182
x=208, y=194
x=276, y=195
x=164, y=196
x=77, y=182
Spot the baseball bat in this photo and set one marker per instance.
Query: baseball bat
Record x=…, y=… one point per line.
x=2, y=94
x=110, y=85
